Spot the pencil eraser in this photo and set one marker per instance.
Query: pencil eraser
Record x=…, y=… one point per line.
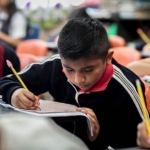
x=137, y=82
x=139, y=30
x=9, y=63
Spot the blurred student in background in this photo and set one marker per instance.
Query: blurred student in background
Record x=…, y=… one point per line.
x=13, y=24
x=141, y=67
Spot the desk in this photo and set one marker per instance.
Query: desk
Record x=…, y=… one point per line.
x=69, y=122
x=4, y=110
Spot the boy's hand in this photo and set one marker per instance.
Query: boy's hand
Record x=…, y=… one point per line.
x=146, y=48
x=142, y=136
x=95, y=124
x=24, y=99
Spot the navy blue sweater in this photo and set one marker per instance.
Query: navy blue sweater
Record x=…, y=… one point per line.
x=117, y=108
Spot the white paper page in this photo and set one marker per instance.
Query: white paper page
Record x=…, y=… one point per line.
x=54, y=107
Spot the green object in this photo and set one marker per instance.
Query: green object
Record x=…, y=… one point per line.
x=112, y=30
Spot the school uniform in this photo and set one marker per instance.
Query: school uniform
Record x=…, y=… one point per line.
x=114, y=99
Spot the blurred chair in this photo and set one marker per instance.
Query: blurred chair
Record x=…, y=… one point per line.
x=116, y=41
x=125, y=55
x=1, y=60
x=33, y=32
x=35, y=47
x=26, y=59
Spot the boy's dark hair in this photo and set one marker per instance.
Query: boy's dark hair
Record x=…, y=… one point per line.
x=83, y=37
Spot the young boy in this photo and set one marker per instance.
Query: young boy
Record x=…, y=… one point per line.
x=84, y=74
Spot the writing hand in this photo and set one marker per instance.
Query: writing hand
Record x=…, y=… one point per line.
x=142, y=136
x=24, y=99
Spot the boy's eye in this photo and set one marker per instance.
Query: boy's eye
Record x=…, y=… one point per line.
x=88, y=70
x=69, y=70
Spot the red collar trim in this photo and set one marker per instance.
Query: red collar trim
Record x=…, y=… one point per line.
x=101, y=85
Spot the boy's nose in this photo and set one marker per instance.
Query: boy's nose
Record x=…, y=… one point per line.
x=79, y=78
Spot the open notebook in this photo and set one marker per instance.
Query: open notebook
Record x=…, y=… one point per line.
x=52, y=109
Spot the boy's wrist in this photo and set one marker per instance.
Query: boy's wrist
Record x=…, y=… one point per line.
x=9, y=94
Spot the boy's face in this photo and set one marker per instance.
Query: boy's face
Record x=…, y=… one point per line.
x=84, y=73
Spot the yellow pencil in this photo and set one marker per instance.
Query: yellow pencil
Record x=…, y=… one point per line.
x=143, y=36
x=16, y=74
x=143, y=106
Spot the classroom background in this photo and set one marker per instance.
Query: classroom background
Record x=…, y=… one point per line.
x=127, y=24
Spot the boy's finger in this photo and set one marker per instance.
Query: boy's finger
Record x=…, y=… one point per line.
x=142, y=136
x=22, y=106
x=138, y=142
x=84, y=110
x=30, y=96
x=92, y=119
x=31, y=108
x=142, y=130
x=27, y=102
x=37, y=100
x=90, y=112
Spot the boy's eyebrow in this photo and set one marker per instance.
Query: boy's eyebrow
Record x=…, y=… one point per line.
x=66, y=66
x=88, y=67
x=91, y=66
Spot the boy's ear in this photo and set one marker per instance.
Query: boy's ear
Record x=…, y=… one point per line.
x=109, y=57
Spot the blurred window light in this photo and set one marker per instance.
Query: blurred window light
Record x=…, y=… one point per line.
x=76, y=2
x=64, y=3
x=33, y=4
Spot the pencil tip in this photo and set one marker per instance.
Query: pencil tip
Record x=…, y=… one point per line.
x=9, y=64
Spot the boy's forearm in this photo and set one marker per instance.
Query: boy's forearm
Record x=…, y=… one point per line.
x=7, y=86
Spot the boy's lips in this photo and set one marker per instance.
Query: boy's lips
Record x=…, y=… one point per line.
x=83, y=86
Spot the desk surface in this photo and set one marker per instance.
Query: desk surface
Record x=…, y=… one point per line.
x=4, y=110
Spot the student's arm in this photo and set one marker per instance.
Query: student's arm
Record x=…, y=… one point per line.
x=37, y=78
x=123, y=117
x=142, y=136
x=9, y=40
x=140, y=67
